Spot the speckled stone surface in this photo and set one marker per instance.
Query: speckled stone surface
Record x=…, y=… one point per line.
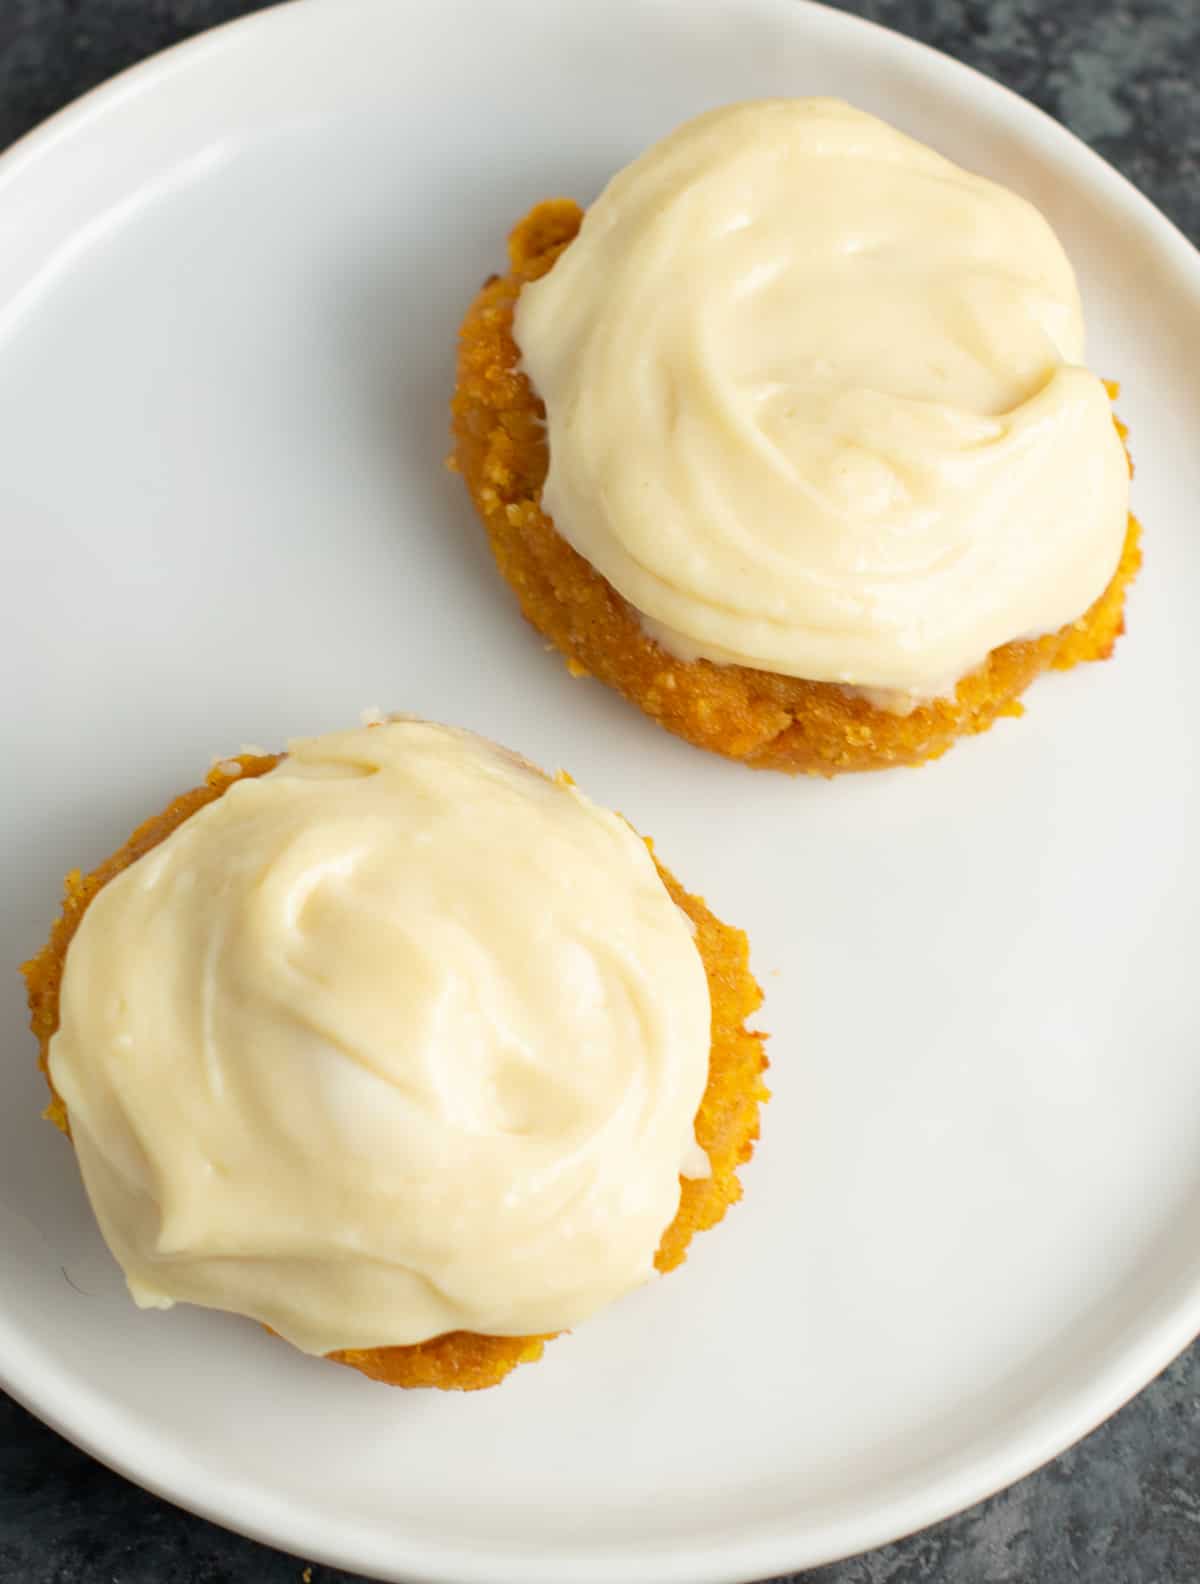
x=1124, y=1506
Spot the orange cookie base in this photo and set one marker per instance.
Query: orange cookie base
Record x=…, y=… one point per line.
x=762, y=718
x=726, y=1126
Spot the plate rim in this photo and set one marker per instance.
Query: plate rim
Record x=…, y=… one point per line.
x=727, y=1560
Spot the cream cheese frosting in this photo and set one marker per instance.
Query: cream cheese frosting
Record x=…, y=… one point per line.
x=400, y=1038
x=816, y=403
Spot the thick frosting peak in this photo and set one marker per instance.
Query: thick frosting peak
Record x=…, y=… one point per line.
x=816, y=403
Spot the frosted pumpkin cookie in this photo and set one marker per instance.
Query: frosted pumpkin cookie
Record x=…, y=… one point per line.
x=790, y=439
x=400, y=1048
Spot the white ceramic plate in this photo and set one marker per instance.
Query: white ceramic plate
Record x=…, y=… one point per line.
x=229, y=286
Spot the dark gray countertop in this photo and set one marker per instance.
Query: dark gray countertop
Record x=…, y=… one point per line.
x=1124, y=1506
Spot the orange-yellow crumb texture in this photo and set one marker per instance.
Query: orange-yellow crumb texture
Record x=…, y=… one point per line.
x=726, y=1126
x=759, y=717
